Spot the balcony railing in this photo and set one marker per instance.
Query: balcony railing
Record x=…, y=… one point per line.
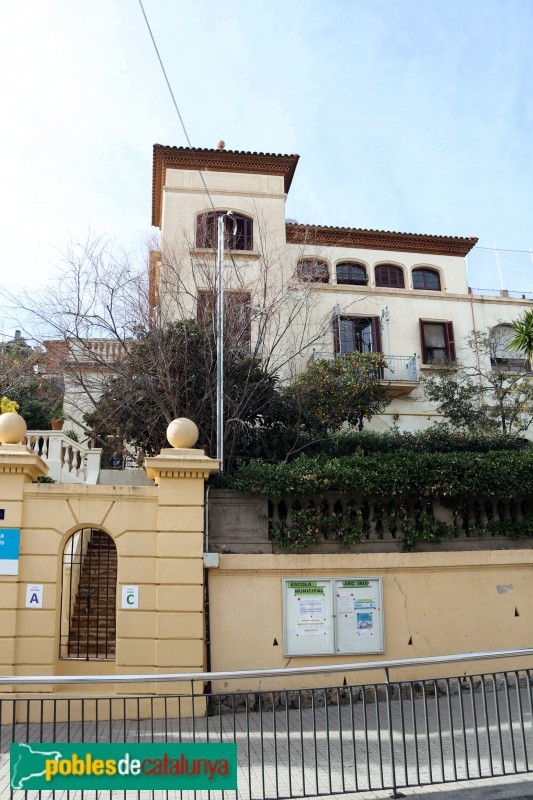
x=399, y=368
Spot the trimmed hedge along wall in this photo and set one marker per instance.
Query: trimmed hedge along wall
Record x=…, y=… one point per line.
x=415, y=479
x=504, y=474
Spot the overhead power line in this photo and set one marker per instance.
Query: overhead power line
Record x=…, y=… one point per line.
x=182, y=123
x=502, y=249
x=195, y=156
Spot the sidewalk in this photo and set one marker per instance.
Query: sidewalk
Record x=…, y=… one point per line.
x=511, y=787
x=340, y=751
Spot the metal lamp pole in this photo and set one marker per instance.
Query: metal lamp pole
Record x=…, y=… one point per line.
x=337, y=312
x=220, y=334
x=385, y=317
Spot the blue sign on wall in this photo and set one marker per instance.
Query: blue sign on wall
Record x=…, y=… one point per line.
x=9, y=551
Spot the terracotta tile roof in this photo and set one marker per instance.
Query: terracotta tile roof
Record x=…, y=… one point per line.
x=216, y=160
x=323, y=235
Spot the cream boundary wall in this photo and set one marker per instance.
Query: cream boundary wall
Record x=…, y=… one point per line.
x=444, y=603
x=434, y=603
x=158, y=532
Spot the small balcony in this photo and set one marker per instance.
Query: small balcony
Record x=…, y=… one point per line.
x=400, y=375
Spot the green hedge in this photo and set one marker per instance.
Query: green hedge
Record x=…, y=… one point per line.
x=437, y=439
x=504, y=474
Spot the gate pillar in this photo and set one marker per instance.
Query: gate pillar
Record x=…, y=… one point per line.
x=18, y=466
x=180, y=473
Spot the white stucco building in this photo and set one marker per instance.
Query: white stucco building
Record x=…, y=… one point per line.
x=334, y=289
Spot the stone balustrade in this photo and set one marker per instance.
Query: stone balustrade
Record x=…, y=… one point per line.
x=68, y=461
x=242, y=524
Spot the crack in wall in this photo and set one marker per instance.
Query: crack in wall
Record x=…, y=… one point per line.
x=405, y=607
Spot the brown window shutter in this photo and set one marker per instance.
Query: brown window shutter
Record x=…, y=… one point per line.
x=200, y=230
x=245, y=316
x=205, y=304
x=238, y=311
x=375, y=323
x=206, y=230
x=450, y=341
x=398, y=274
x=389, y=277
x=248, y=234
x=336, y=335
x=423, y=342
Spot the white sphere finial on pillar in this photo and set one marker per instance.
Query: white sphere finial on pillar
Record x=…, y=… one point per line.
x=182, y=433
x=12, y=428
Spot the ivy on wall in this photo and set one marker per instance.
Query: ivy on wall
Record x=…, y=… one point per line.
x=312, y=526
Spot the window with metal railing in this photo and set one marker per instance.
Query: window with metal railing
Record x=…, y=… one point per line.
x=356, y=334
x=504, y=358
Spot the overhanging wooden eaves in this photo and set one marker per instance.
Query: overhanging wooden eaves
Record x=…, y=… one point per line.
x=208, y=160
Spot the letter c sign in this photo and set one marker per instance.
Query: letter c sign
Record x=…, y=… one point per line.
x=130, y=597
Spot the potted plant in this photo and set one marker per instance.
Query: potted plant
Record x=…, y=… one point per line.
x=57, y=419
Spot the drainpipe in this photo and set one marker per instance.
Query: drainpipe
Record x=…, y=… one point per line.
x=475, y=343
x=207, y=689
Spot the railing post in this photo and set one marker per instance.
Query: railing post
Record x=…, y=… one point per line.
x=395, y=792
x=55, y=459
x=92, y=465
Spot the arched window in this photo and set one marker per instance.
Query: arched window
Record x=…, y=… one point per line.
x=314, y=270
x=502, y=357
x=238, y=237
x=389, y=276
x=88, y=596
x=350, y=273
x=426, y=279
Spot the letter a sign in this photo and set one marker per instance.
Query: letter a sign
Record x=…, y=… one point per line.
x=34, y=595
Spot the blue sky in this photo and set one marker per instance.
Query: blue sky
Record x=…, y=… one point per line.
x=408, y=115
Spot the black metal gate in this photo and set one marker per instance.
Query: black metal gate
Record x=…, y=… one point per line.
x=88, y=596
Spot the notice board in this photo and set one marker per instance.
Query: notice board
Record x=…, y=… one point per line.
x=332, y=616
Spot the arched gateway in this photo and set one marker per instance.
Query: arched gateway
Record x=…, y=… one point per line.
x=88, y=596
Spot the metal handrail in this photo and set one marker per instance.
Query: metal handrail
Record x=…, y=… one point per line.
x=263, y=673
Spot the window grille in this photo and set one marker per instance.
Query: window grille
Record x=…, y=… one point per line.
x=314, y=270
x=504, y=358
x=426, y=279
x=352, y=274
